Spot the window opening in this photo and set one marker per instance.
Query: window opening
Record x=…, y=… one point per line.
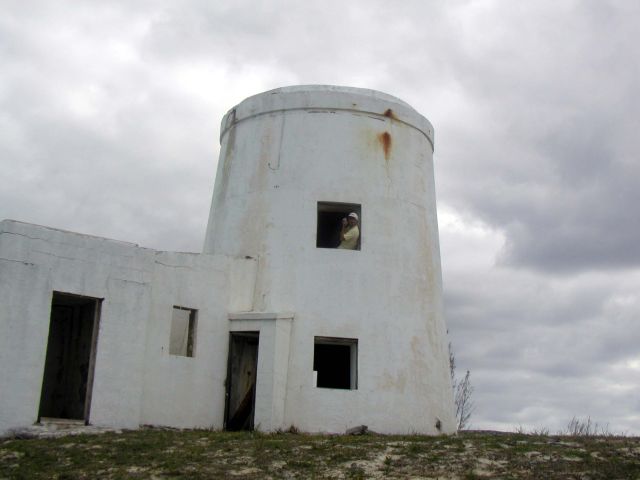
x=183, y=332
x=329, y=227
x=335, y=362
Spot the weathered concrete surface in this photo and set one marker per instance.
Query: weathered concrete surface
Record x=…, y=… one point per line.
x=136, y=381
x=282, y=152
x=58, y=428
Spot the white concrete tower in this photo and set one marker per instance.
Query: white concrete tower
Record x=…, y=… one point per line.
x=346, y=337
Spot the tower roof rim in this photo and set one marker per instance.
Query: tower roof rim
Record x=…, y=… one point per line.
x=327, y=98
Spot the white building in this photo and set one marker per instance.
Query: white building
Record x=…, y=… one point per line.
x=271, y=326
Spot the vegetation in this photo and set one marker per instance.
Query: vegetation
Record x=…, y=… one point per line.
x=577, y=427
x=462, y=394
x=193, y=454
x=586, y=428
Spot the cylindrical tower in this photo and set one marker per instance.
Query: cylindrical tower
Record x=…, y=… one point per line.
x=367, y=344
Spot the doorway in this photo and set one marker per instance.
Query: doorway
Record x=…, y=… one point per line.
x=68, y=372
x=242, y=367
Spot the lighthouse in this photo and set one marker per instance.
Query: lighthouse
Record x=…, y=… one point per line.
x=355, y=335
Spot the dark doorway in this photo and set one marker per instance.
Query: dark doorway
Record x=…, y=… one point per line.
x=71, y=347
x=242, y=369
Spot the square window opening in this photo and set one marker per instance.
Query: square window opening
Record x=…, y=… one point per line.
x=182, y=338
x=329, y=227
x=335, y=362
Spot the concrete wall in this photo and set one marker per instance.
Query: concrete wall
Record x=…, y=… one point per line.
x=274, y=361
x=35, y=261
x=281, y=153
x=136, y=381
x=186, y=391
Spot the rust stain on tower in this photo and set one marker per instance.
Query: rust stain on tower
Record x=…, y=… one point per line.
x=385, y=140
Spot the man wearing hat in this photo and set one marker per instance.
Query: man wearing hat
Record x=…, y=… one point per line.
x=350, y=232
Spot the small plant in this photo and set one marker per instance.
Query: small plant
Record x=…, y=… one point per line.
x=293, y=429
x=536, y=431
x=586, y=428
x=462, y=392
x=355, y=472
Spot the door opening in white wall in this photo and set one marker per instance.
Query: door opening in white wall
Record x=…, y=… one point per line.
x=335, y=361
x=69, y=363
x=242, y=369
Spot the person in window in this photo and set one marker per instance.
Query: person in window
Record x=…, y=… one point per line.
x=350, y=232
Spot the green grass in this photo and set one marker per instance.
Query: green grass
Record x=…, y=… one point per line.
x=193, y=454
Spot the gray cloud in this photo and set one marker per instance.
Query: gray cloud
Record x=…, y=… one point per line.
x=553, y=159
x=529, y=337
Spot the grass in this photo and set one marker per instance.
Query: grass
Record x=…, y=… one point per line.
x=193, y=454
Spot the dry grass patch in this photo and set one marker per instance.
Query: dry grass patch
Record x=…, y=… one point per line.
x=193, y=454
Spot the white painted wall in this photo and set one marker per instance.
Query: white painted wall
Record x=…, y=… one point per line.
x=282, y=152
x=189, y=391
x=273, y=363
x=35, y=261
x=136, y=381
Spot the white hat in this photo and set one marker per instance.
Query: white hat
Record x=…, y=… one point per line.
x=354, y=215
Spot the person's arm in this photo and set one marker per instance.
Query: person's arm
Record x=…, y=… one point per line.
x=344, y=229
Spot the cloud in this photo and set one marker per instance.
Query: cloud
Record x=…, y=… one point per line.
x=552, y=159
x=543, y=348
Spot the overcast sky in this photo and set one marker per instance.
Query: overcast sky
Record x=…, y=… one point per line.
x=109, y=124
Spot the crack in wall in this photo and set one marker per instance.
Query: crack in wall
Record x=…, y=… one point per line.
x=22, y=235
x=173, y=266
x=17, y=261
